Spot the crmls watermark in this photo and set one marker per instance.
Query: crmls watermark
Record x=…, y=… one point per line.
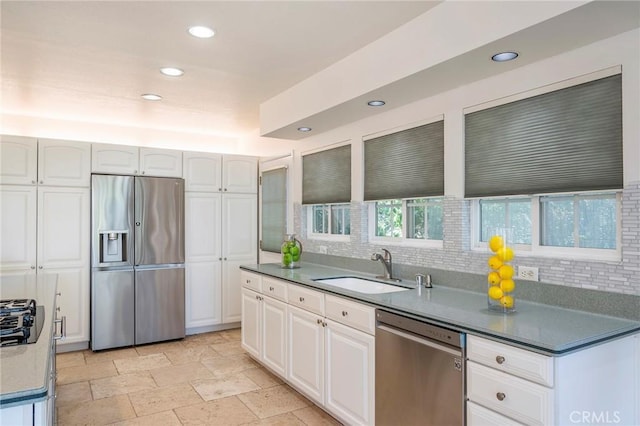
x=595, y=417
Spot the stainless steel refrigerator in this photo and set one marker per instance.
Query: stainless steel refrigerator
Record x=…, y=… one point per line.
x=137, y=260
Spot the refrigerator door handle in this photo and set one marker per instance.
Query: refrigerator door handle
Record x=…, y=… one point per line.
x=138, y=215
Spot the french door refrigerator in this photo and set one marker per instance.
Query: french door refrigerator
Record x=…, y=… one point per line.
x=137, y=260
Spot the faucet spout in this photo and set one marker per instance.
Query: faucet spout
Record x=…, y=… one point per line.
x=386, y=262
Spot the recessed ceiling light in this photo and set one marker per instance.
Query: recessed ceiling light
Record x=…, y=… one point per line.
x=151, y=97
x=201, y=32
x=171, y=72
x=376, y=103
x=504, y=56
x=304, y=129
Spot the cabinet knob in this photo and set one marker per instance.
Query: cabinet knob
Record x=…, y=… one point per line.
x=248, y=281
x=302, y=299
x=33, y=267
x=500, y=359
x=257, y=297
x=501, y=396
x=219, y=189
x=345, y=313
x=135, y=172
x=270, y=288
x=324, y=323
x=33, y=181
x=39, y=267
x=41, y=182
x=225, y=258
x=59, y=293
x=143, y=172
x=58, y=309
x=225, y=190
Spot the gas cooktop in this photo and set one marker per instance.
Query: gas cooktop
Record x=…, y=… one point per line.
x=21, y=321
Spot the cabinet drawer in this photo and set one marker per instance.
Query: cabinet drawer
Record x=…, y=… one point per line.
x=250, y=280
x=274, y=288
x=305, y=298
x=511, y=396
x=353, y=314
x=522, y=363
x=480, y=416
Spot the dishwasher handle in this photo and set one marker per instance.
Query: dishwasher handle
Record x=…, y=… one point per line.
x=422, y=341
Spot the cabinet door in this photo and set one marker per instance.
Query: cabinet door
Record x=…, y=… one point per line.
x=480, y=416
x=114, y=159
x=63, y=227
x=18, y=227
x=18, y=160
x=240, y=174
x=350, y=374
x=251, y=322
x=203, y=293
x=240, y=227
x=203, y=239
x=160, y=162
x=305, y=353
x=274, y=335
x=18, y=285
x=231, y=290
x=72, y=301
x=202, y=171
x=64, y=163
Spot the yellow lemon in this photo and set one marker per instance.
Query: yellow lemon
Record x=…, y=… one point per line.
x=495, y=292
x=496, y=243
x=507, y=286
x=505, y=272
x=494, y=262
x=506, y=301
x=493, y=278
x=505, y=254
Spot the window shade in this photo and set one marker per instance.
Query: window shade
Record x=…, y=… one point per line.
x=405, y=164
x=569, y=140
x=274, y=205
x=326, y=176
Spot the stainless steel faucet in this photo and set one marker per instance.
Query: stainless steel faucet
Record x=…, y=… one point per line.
x=386, y=261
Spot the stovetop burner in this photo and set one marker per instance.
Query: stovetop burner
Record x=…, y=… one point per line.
x=21, y=321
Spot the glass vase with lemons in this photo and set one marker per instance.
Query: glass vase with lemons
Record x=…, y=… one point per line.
x=501, y=287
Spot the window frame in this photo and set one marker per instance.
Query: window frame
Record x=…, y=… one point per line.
x=403, y=240
x=326, y=236
x=538, y=250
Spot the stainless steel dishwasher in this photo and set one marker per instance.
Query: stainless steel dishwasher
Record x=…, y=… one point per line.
x=420, y=372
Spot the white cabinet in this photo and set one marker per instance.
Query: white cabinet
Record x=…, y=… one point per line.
x=509, y=385
x=27, y=161
x=202, y=171
x=221, y=231
x=131, y=160
x=64, y=163
x=44, y=224
x=328, y=358
x=264, y=322
x=239, y=174
x=18, y=160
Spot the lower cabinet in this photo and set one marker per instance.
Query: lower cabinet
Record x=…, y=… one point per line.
x=510, y=386
x=322, y=352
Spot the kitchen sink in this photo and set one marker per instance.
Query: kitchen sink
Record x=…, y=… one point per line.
x=361, y=285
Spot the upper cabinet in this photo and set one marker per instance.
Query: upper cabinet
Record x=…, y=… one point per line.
x=27, y=161
x=202, y=171
x=239, y=174
x=208, y=172
x=19, y=160
x=131, y=160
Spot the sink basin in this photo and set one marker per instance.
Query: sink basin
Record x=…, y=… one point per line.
x=361, y=285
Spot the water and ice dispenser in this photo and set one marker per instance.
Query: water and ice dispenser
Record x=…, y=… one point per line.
x=113, y=246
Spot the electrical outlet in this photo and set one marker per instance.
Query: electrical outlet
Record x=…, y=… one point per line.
x=529, y=273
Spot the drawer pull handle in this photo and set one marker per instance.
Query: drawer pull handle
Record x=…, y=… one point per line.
x=501, y=396
x=270, y=288
x=345, y=313
x=301, y=299
x=500, y=359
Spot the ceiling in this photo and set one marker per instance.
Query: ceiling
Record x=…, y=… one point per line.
x=91, y=60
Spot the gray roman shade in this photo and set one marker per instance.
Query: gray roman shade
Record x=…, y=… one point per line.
x=274, y=209
x=569, y=140
x=405, y=164
x=326, y=176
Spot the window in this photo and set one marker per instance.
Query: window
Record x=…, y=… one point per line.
x=569, y=224
x=329, y=219
x=407, y=220
x=273, y=212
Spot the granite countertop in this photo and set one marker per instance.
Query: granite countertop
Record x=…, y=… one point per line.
x=545, y=329
x=24, y=375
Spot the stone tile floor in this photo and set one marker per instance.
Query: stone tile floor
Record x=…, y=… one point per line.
x=205, y=379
